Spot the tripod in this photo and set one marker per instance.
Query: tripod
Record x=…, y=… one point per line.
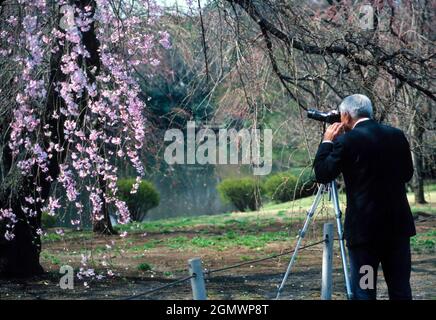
x=331, y=188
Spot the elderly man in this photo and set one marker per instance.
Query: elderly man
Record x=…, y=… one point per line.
x=376, y=163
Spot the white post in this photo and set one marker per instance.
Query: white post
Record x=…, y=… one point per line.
x=197, y=282
x=327, y=263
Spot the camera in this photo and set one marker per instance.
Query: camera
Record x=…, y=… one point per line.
x=328, y=117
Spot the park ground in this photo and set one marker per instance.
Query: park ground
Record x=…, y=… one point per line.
x=155, y=253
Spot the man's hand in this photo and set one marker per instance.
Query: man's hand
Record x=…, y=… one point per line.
x=333, y=131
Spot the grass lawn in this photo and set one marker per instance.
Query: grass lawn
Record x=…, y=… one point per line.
x=268, y=214
x=254, y=230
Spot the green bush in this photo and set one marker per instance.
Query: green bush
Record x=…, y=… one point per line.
x=47, y=221
x=281, y=186
x=284, y=186
x=243, y=193
x=140, y=202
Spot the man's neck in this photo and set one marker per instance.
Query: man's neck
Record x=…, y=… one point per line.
x=359, y=120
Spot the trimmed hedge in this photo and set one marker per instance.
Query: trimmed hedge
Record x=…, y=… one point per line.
x=139, y=203
x=244, y=193
x=284, y=186
x=280, y=187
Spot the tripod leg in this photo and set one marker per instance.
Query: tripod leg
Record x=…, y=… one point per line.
x=335, y=199
x=301, y=235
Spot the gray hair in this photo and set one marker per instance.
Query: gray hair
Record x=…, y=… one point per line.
x=357, y=106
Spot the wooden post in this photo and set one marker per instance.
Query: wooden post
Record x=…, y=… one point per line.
x=327, y=263
x=197, y=282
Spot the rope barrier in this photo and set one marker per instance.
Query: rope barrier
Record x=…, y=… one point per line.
x=262, y=259
x=159, y=288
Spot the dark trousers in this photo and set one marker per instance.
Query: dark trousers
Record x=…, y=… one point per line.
x=395, y=259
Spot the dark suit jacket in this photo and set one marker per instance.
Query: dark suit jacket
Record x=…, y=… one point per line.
x=376, y=163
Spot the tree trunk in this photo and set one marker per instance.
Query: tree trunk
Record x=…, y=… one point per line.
x=417, y=156
x=20, y=256
x=92, y=44
x=104, y=226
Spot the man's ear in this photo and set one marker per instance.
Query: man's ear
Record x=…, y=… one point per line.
x=348, y=121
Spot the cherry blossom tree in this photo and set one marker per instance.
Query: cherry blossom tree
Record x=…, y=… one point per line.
x=70, y=107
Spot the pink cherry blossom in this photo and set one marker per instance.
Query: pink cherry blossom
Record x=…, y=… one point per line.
x=112, y=117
